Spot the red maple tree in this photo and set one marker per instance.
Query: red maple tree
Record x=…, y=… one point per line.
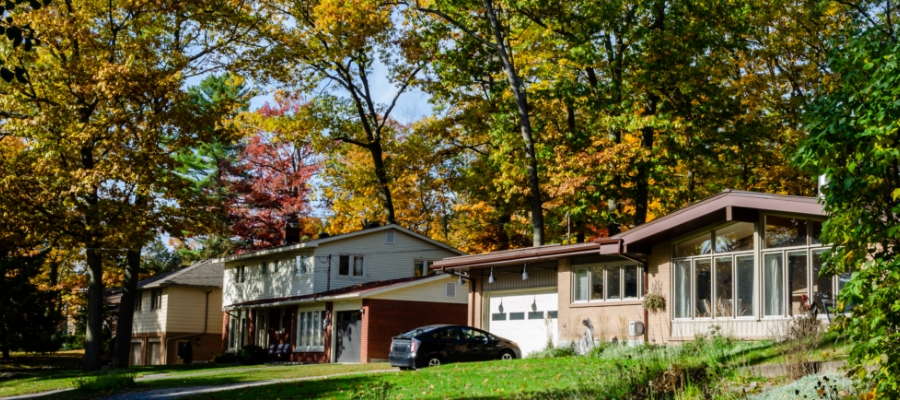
x=269, y=187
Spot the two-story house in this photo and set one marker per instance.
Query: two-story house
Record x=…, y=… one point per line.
x=339, y=298
x=173, y=310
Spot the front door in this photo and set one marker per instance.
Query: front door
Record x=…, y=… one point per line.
x=155, y=349
x=348, y=336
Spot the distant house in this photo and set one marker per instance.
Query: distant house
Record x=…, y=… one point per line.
x=173, y=309
x=744, y=262
x=338, y=298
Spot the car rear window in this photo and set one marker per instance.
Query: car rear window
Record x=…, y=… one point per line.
x=413, y=333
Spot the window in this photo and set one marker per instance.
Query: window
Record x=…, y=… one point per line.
x=823, y=290
x=773, y=285
x=785, y=232
x=423, y=268
x=232, y=333
x=745, y=287
x=274, y=267
x=694, y=247
x=551, y=314
x=156, y=299
x=612, y=282
x=682, y=288
x=390, y=236
x=264, y=268
x=450, y=290
x=703, y=286
x=516, y=316
x=724, y=305
x=310, y=332
x=351, y=266
x=581, y=285
x=535, y=315
x=300, y=265
x=631, y=276
x=472, y=334
x=815, y=231
x=498, y=317
x=597, y=284
x=138, y=301
x=797, y=279
x=736, y=237
x=239, y=274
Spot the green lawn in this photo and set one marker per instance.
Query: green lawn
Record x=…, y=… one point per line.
x=609, y=371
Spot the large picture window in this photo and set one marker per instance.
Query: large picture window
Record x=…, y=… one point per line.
x=607, y=282
x=310, y=332
x=713, y=273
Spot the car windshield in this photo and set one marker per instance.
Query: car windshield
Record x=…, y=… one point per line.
x=415, y=332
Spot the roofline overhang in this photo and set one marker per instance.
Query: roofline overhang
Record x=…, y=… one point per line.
x=532, y=254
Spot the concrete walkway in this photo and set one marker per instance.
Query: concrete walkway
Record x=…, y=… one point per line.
x=174, y=393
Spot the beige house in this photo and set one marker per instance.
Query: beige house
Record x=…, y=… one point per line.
x=743, y=262
x=174, y=309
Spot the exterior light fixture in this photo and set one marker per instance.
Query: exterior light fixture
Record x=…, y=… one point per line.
x=461, y=280
x=525, y=272
x=491, y=278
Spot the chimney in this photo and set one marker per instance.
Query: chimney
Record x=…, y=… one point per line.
x=291, y=234
x=371, y=225
x=324, y=235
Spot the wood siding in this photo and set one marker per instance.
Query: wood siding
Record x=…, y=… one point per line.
x=186, y=307
x=382, y=261
x=510, y=278
x=147, y=320
x=257, y=286
x=429, y=292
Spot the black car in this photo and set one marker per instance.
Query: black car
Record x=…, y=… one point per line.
x=439, y=344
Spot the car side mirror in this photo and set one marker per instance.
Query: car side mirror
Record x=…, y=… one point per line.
x=486, y=340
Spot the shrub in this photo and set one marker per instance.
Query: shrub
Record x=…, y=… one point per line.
x=105, y=383
x=555, y=352
x=252, y=354
x=225, y=358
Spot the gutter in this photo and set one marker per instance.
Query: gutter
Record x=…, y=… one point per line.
x=205, y=329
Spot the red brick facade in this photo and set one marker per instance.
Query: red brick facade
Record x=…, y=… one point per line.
x=381, y=320
x=384, y=319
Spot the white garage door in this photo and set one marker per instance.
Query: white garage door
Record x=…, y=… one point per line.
x=527, y=319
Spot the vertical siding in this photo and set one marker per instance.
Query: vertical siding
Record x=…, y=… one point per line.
x=257, y=286
x=510, y=278
x=433, y=292
x=382, y=260
x=147, y=320
x=186, y=310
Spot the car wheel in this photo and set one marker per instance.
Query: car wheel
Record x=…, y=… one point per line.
x=434, y=361
x=507, y=355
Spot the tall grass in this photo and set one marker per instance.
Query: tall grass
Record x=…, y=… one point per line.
x=105, y=383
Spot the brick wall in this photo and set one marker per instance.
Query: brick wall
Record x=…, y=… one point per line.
x=384, y=319
x=659, y=328
x=210, y=345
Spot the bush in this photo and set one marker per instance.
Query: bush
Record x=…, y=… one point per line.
x=556, y=352
x=226, y=358
x=252, y=354
x=105, y=383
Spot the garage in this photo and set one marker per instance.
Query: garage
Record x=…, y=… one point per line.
x=528, y=319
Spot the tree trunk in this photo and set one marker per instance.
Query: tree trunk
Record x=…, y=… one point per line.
x=122, y=350
x=384, y=191
x=93, y=337
x=537, y=203
x=4, y=332
x=642, y=186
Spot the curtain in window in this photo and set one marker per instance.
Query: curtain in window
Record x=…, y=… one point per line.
x=597, y=284
x=682, y=289
x=581, y=284
x=774, y=285
x=357, y=266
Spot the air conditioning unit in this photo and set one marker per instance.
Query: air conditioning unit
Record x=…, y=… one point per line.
x=636, y=328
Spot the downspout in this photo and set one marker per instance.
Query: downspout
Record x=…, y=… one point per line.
x=621, y=243
x=205, y=328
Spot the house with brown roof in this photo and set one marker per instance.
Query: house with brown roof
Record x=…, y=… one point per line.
x=338, y=298
x=174, y=310
x=743, y=263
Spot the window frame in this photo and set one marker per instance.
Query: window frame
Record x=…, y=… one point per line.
x=426, y=267
x=139, y=301
x=605, y=267
x=314, y=316
x=301, y=267
x=156, y=299
x=351, y=264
